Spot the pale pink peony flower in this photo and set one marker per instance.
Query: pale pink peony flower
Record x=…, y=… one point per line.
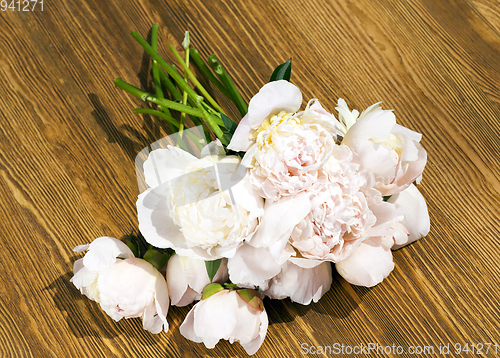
x=123, y=285
x=372, y=261
x=225, y=315
x=390, y=153
x=186, y=279
x=285, y=149
x=327, y=225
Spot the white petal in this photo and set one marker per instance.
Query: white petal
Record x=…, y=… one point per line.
x=376, y=124
x=252, y=266
x=273, y=98
x=83, y=277
x=81, y=248
x=103, y=252
x=253, y=346
x=241, y=142
x=213, y=148
x=300, y=284
x=280, y=217
x=150, y=321
x=128, y=287
x=187, y=327
x=411, y=204
x=368, y=265
x=248, y=322
x=161, y=300
x=216, y=317
x=155, y=222
x=375, y=158
x=163, y=165
x=176, y=279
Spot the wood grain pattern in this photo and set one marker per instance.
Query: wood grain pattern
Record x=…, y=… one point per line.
x=68, y=140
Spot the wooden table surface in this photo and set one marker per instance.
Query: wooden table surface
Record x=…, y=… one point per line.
x=68, y=140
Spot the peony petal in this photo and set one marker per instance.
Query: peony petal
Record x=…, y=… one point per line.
x=161, y=300
x=187, y=327
x=240, y=141
x=248, y=322
x=252, y=267
x=163, y=165
x=253, y=346
x=150, y=321
x=280, y=217
x=368, y=265
x=216, y=317
x=176, y=278
x=300, y=284
x=411, y=204
x=387, y=216
x=247, y=197
x=127, y=287
x=273, y=98
x=103, y=252
x=213, y=148
x=374, y=158
x=377, y=124
x=155, y=222
x=83, y=277
x=81, y=248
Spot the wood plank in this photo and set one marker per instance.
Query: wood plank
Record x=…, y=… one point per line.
x=68, y=140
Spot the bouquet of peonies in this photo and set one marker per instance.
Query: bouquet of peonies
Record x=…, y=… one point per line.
x=261, y=211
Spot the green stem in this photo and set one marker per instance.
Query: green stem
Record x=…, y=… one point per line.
x=195, y=81
x=145, y=96
x=169, y=69
x=195, y=55
x=185, y=45
x=156, y=74
x=156, y=113
x=170, y=86
x=170, y=120
x=226, y=80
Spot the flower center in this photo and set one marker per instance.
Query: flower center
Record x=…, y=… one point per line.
x=269, y=128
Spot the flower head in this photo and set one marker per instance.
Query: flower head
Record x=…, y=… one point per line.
x=285, y=148
x=191, y=209
x=123, y=285
x=228, y=315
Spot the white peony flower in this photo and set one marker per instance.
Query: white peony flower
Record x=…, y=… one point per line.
x=391, y=153
x=302, y=285
x=123, y=285
x=186, y=278
x=226, y=315
x=285, y=149
x=195, y=206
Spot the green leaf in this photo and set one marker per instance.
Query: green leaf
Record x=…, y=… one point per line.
x=228, y=123
x=385, y=198
x=212, y=267
x=282, y=72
